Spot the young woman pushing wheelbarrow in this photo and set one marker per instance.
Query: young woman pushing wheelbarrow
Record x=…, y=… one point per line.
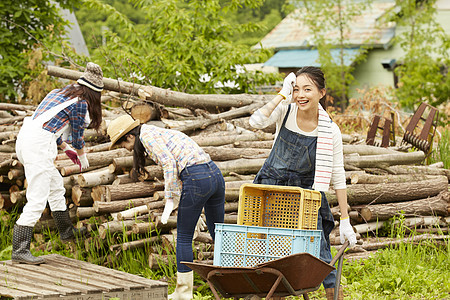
x=307, y=152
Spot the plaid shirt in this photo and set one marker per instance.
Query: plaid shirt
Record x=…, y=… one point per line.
x=74, y=115
x=174, y=151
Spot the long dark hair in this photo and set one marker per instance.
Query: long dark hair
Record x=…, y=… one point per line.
x=317, y=76
x=139, y=153
x=92, y=98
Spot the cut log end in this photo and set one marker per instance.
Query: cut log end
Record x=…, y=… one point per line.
x=143, y=112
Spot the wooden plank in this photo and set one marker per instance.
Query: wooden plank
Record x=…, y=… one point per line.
x=90, y=277
x=92, y=286
x=159, y=293
x=37, y=291
x=49, y=282
x=104, y=277
x=78, y=276
x=66, y=278
x=16, y=294
x=106, y=271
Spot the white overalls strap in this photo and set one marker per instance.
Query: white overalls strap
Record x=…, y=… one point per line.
x=40, y=120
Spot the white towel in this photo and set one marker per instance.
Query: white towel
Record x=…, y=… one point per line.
x=324, y=152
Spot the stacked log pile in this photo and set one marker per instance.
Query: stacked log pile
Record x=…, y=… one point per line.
x=382, y=183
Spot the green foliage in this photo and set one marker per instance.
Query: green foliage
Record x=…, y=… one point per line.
x=190, y=50
x=25, y=25
x=94, y=24
x=442, y=153
x=407, y=271
x=321, y=19
x=7, y=221
x=423, y=71
x=137, y=41
x=410, y=272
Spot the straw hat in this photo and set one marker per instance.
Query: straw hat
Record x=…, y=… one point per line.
x=117, y=128
x=92, y=77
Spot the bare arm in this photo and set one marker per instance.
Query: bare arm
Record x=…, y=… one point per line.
x=268, y=109
x=341, y=195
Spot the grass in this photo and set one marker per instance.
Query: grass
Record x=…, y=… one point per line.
x=7, y=221
x=442, y=153
x=408, y=271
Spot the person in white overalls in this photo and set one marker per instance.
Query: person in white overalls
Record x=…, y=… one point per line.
x=65, y=112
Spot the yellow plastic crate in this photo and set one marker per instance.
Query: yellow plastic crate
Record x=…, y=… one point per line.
x=278, y=206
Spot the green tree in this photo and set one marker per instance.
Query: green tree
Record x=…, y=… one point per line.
x=94, y=24
x=423, y=70
x=183, y=45
x=322, y=18
x=260, y=19
x=24, y=27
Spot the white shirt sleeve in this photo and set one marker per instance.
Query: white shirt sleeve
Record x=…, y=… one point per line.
x=338, y=173
x=259, y=121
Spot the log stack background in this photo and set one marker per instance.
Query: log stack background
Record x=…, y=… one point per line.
x=381, y=182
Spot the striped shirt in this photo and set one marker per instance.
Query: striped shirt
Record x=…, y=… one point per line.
x=73, y=115
x=173, y=150
x=329, y=153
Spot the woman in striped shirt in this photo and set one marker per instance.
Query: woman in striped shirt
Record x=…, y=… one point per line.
x=192, y=182
x=307, y=152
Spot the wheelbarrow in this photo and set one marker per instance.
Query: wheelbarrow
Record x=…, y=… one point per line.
x=299, y=274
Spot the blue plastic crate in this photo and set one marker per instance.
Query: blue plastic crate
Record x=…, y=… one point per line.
x=246, y=246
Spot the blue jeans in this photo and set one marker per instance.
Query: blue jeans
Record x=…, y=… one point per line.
x=203, y=187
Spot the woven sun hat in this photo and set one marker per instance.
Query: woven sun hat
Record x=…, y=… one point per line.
x=120, y=126
x=92, y=77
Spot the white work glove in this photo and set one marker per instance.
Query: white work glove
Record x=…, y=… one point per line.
x=346, y=232
x=167, y=211
x=84, y=162
x=201, y=225
x=72, y=154
x=288, y=87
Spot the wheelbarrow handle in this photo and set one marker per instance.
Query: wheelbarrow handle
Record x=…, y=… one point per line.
x=340, y=253
x=339, y=256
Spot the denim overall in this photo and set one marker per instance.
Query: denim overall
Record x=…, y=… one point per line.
x=292, y=162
